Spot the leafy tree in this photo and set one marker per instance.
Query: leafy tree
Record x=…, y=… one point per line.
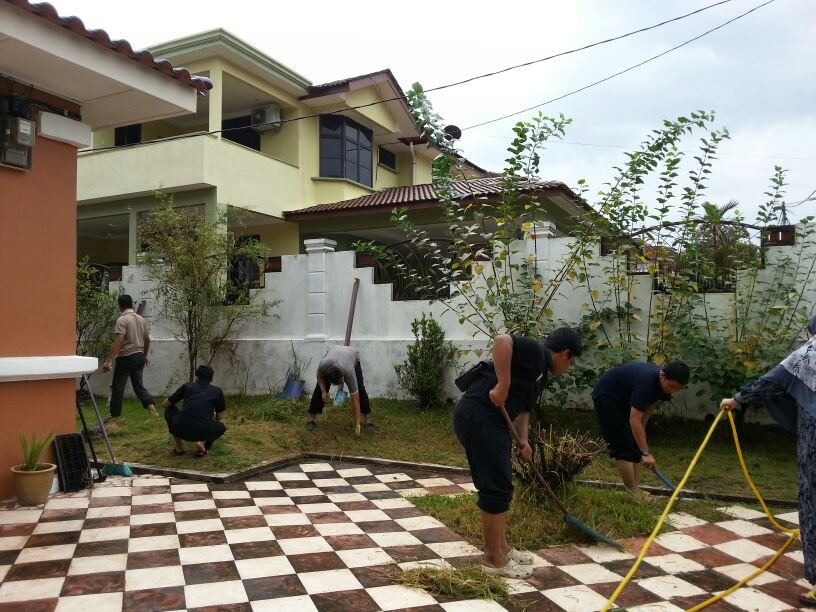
x=189, y=260
x=96, y=311
x=481, y=271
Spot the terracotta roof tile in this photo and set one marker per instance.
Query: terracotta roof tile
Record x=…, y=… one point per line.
x=100, y=37
x=416, y=194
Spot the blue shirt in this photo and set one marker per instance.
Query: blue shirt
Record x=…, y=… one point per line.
x=632, y=385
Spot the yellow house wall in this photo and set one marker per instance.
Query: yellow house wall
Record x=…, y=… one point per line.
x=377, y=113
x=283, y=144
x=279, y=238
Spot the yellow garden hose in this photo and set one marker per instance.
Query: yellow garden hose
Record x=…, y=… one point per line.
x=793, y=533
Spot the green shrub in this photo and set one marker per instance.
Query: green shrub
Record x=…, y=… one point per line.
x=423, y=372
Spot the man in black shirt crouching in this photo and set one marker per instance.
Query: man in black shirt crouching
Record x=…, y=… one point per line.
x=201, y=419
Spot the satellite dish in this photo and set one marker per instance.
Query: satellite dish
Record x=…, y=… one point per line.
x=453, y=132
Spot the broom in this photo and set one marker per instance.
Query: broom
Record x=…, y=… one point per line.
x=569, y=518
x=114, y=468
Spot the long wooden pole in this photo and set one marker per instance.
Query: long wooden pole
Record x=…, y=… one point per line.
x=352, y=307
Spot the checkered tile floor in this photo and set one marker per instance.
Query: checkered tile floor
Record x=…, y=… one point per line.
x=320, y=536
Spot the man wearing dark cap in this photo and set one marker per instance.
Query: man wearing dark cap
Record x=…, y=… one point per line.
x=514, y=380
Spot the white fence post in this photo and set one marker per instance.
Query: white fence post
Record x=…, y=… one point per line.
x=317, y=250
x=538, y=238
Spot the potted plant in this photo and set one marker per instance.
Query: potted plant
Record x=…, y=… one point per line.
x=295, y=381
x=32, y=479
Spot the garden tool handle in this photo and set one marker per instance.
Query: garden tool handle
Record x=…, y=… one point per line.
x=547, y=488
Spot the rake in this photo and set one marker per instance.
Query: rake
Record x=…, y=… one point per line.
x=569, y=518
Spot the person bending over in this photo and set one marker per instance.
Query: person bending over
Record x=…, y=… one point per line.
x=514, y=380
x=341, y=364
x=625, y=397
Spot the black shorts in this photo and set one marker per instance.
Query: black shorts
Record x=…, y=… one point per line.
x=489, y=454
x=616, y=430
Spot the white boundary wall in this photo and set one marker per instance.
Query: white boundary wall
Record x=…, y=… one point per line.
x=315, y=293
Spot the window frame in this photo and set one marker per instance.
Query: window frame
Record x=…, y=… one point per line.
x=353, y=138
x=380, y=161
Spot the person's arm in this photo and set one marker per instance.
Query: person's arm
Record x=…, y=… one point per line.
x=167, y=404
x=355, y=406
x=220, y=407
x=522, y=426
x=118, y=340
x=636, y=418
x=146, y=346
x=502, y=357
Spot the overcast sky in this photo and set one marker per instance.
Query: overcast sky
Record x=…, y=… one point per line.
x=758, y=73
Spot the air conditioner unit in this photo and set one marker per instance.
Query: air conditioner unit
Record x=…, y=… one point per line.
x=266, y=117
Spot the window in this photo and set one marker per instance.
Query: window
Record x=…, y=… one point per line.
x=247, y=137
x=388, y=158
x=128, y=135
x=345, y=149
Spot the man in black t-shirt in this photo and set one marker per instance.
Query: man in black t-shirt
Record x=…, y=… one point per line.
x=625, y=397
x=201, y=419
x=514, y=380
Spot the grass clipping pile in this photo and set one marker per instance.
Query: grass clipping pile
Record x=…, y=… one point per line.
x=559, y=457
x=459, y=583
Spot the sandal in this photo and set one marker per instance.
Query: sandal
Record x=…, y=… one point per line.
x=522, y=557
x=178, y=453
x=199, y=453
x=311, y=426
x=808, y=599
x=511, y=570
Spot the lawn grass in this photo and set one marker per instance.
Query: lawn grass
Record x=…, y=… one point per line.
x=534, y=523
x=769, y=452
x=260, y=428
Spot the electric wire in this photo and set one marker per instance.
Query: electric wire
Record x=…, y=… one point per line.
x=620, y=72
x=576, y=50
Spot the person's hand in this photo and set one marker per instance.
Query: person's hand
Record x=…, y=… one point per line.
x=357, y=429
x=147, y=362
x=525, y=451
x=152, y=411
x=498, y=395
x=649, y=462
x=326, y=397
x=106, y=367
x=728, y=403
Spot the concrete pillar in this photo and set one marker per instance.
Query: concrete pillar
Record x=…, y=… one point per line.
x=134, y=246
x=318, y=285
x=538, y=238
x=216, y=97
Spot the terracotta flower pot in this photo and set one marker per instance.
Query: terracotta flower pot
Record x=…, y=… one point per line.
x=33, y=487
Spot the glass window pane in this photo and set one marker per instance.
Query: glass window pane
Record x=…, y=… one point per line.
x=331, y=147
x=351, y=170
x=331, y=168
x=365, y=158
x=365, y=176
x=351, y=131
x=365, y=137
x=331, y=125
